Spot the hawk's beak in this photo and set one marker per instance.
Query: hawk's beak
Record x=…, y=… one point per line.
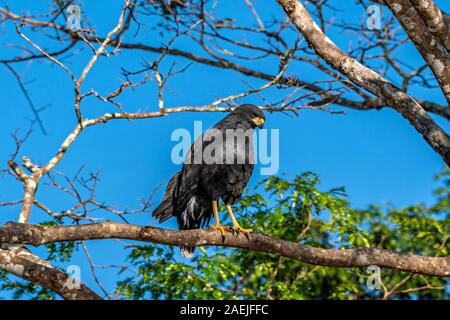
x=258, y=121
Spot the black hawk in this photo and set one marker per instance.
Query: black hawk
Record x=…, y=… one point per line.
x=217, y=167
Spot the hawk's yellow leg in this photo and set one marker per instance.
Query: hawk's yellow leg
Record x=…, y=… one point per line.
x=236, y=226
x=218, y=226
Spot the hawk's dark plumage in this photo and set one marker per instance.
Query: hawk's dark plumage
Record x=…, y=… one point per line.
x=192, y=193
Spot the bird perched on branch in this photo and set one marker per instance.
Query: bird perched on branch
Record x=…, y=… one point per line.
x=217, y=167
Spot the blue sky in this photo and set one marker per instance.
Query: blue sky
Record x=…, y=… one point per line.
x=376, y=155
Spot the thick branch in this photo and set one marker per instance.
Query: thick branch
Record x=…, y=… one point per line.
x=429, y=46
x=360, y=257
x=434, y=19
x=23, y=264
x=368, y=79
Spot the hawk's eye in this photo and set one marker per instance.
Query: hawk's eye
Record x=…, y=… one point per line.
x=258, y=121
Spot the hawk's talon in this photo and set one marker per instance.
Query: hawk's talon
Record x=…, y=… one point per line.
x=239, y=229
x=221, y=229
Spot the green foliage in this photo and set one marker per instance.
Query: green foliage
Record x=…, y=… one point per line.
x=295, y=210
x=298, y=211
x=159, y=275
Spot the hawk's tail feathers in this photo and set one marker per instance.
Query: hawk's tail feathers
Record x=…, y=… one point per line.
x=187, y=252
x=165, y=210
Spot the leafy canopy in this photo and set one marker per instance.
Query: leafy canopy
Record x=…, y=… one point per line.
x=295, y=210
x=298, y=211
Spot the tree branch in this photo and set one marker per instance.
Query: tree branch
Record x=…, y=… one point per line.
x=429, y=46
x=400, y=101
x=358, y=257
x=23, y=264
x=367, y=104
x=434, y=18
